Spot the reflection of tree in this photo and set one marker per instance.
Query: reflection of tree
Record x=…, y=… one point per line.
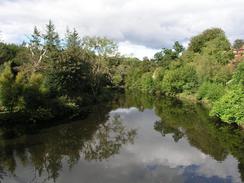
x=2, y=173
x=164, y=130
x=211, y=137
x=108, y=140
x=47, y=151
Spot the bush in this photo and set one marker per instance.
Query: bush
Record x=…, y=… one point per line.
x=230, y=107
x=181, y=79
x=146, y=82
x=238, y=76
x=210, y=91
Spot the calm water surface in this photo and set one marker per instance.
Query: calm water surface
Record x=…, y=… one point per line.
x=132, y=139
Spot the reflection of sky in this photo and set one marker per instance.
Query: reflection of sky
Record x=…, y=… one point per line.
x=152, y=158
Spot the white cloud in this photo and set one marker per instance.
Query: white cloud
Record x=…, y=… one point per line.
x=138, y=51
x=145, y=24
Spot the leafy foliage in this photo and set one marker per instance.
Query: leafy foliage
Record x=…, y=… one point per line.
x=47, y=76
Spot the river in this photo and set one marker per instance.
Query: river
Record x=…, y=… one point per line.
x=130, y=139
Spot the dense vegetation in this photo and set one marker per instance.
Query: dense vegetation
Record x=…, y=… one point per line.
x=206, y=71
x=52, y=78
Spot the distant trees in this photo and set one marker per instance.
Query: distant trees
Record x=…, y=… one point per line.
x=202, y=71
x=166, y=55
x=73, y=40
x=47, y=76
x=100, y=46
x=238, y=43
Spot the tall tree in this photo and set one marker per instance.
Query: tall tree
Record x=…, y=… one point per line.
x=36, y=38
x=73, y=40
x=51, y=37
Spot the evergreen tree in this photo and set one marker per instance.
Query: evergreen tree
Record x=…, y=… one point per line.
x=36, y=38
x=35, y=41
x=72, y=39
x=51, y=38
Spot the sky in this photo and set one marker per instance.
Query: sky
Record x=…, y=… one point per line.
x=140, y=27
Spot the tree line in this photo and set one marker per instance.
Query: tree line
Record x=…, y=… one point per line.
x=206, y=71
x=49, y=78
x=47, y=74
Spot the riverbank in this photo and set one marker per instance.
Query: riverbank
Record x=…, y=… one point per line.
x=15, y=124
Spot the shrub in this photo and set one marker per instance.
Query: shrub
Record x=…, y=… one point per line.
x=230, y=107
x=181, y=79
x=147, y=84
x=210, y=91
x=238, y=76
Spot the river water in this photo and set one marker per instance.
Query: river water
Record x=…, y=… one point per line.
x=131, y=139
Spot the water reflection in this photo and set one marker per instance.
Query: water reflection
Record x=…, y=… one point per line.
x=48, y=151
x=133, y=139
x=108, y=140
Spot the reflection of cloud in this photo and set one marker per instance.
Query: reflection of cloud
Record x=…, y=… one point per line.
x=152, y=158
x=124, y=111
x=151, y=148
x=228, y=167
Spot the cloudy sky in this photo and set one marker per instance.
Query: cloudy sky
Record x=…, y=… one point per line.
x=141, y=27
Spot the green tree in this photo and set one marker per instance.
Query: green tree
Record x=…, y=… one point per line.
x=70, y=75
x=165, y=56
x=183, y=78
x=178, y=48
x=36, y=41
x=101, y=46
x=9, y=91
x=238, y=43
x=51, y=37
x=73, y=40
x=198, y=42
x=230, y=106
x=8, y=52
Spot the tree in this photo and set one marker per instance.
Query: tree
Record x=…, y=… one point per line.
x=180, y=79
x=8, y=52
x=70, y=75
x=238, y=43
x=100, y=46
x=51, y=37
x=35, y=41
x=73, y=40
x=9, y=95
x=178, y=48
x=198, y=42
x=38, y=51
x=230, y=106
x=165, y=56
